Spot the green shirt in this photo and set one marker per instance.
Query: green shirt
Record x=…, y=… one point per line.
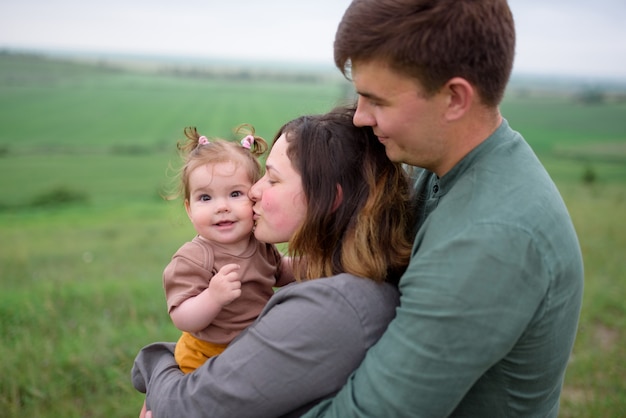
x=489, y=303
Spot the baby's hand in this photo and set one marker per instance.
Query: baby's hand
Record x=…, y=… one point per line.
x=225, y=286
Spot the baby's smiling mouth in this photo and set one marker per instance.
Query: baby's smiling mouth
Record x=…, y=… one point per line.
x=224, y=223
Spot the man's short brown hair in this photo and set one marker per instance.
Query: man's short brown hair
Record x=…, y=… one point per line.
x=433, y=41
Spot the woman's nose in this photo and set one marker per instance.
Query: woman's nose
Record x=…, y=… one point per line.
x=254, y=193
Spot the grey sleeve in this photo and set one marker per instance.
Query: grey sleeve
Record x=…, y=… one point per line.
x=302, y=349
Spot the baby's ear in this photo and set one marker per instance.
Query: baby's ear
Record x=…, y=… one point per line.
x=188, y=208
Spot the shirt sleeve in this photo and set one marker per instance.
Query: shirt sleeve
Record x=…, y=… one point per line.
x=463, y=306
x=288, y=358
x=187, y=274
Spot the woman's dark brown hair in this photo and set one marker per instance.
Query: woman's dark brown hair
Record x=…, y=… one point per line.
x=358, y=201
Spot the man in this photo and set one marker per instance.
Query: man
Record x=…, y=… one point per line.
x=491, y=300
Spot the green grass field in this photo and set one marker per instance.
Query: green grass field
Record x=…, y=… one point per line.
x=84, y=155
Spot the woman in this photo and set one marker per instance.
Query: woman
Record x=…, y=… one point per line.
x=343, y=207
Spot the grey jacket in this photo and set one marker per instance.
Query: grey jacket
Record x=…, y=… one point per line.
x=300, y=350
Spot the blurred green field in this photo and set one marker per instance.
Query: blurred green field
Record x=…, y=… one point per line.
x=84, y=155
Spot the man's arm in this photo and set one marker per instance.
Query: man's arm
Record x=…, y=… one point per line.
x=462, y=307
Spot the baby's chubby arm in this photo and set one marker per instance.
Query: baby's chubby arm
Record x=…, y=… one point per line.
x=196, y=313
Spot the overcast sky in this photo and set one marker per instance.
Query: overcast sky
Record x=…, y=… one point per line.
x=566, y=37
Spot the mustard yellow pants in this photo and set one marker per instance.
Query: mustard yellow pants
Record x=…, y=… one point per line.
x=190, y=352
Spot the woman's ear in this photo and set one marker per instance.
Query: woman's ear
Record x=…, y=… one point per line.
x=461, y=96
x=338, y=198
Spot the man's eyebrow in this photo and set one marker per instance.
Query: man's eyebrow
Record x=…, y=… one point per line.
x=370, y=96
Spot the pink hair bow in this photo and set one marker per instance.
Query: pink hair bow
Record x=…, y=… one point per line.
x=247, y=142
x=203, y=140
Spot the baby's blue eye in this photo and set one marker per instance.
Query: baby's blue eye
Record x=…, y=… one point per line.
x=205, y=197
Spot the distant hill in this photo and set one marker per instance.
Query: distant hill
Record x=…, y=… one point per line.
x=214, y=67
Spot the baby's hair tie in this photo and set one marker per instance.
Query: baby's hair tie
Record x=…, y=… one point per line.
x=203, y=140
x=247, y=142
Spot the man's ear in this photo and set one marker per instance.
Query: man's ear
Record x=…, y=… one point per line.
x=338, y=198
x=461, y=96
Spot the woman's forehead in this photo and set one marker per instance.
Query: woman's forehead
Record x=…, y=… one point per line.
x=278, y=160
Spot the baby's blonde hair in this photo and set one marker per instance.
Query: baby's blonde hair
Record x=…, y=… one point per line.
x=198, y=150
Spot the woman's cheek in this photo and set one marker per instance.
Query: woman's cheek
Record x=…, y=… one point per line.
x=283, y=219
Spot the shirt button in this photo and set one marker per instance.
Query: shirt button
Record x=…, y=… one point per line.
x=435, y=188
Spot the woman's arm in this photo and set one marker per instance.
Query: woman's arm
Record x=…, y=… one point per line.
x=302, y=348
